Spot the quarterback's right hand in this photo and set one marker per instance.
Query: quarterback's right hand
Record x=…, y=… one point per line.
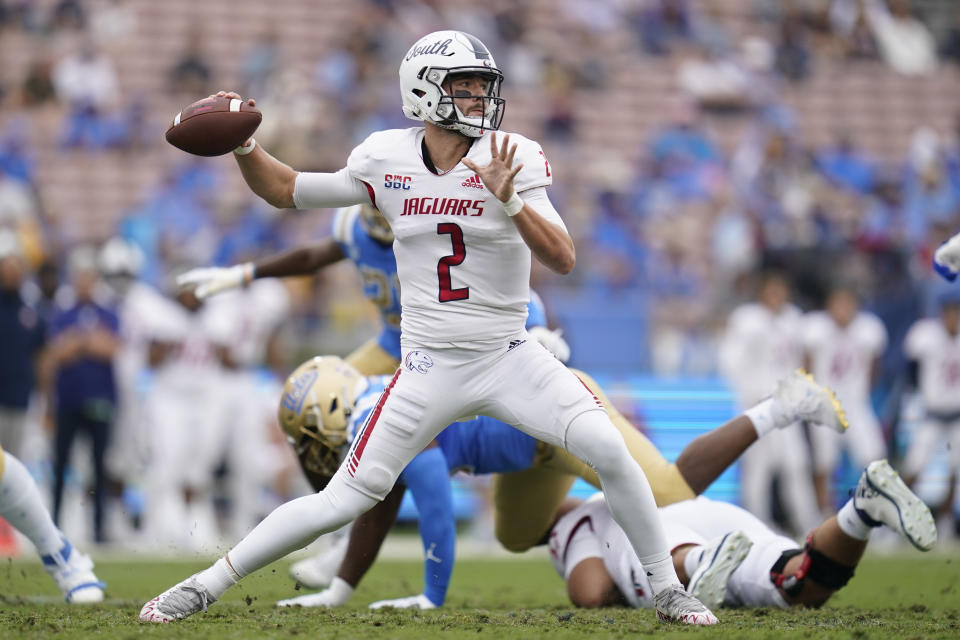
x=337, y=594
x=946, y=260
x=209, y=281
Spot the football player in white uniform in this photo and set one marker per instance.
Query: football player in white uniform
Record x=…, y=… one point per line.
x=760, y=346
x=934, y=345
x=843, y=347
x=185, y=414
x=247, y=322
x=468, y=210
x=726, y=556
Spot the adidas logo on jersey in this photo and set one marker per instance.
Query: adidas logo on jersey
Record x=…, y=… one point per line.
x=474, y=182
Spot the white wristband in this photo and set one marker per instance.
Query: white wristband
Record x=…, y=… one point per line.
x=242, y=150
x=513, y=206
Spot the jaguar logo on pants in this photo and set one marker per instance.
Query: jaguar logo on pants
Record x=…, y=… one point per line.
x=418, y=361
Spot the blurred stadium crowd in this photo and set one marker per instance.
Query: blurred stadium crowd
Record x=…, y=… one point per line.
x=696, y=144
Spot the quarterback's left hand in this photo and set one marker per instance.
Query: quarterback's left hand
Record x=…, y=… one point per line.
x=410, y=602
x=499, y=174
x=946, y=260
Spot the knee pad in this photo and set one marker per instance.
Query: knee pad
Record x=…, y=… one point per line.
x=592, y=436
x=825, y=571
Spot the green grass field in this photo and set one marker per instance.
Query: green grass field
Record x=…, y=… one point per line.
x=900, y=596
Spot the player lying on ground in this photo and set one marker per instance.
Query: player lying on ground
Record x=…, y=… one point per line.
x=727, y=556
x=946, y=259
x=326, y=402
x=469, y=215
x=22, y=506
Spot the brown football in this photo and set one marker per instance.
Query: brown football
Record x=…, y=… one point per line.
x=213, y=126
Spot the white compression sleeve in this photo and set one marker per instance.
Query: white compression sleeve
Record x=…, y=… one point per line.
x=316, y=190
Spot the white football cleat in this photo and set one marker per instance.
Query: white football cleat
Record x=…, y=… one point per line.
x=73, y=573
x=308, y=600
x=803, y=399
x=319, y=570
x=882, y=497
x=718, y=561
x=177, y=602
x=675, y=604
x=420, y=601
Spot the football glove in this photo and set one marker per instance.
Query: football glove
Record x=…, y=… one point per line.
x=337, y=594
x=552, y=341
x=946, y=260
x=210, y=281
x=410, y=602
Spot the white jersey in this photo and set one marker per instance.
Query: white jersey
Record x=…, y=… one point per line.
x=246, y=319
x=842, y=357
x=140, y=305
x=938, y=354
x=463, y=267
x=759, y=347
x=193, y=367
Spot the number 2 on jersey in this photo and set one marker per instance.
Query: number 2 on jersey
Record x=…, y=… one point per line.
x=448, y=294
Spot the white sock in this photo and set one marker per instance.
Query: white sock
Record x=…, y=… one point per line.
x=22, y=506
x=851, y=523
x=767, y=416
x=661, y=574
x=218, y=578
x=692, y=560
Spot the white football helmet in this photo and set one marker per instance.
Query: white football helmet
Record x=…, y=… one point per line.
x=427, y=65
x=121, y=256
x=315, y=408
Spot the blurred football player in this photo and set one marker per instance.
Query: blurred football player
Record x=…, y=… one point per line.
x=726, y=556
x=467, y=220
x=946, y=259
x=248, y=323
x=22, y=506
x=843, y=346
x=761, y=345
x=326, y=402
x=933, y=347
x=121, y=262
x=185, y=414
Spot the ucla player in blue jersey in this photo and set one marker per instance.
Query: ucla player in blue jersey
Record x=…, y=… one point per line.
x=326, y=403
